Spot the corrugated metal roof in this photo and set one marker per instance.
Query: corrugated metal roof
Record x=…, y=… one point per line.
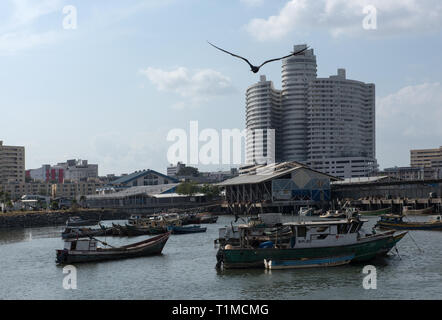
x=138, y=174
x=133, y=191
x=262, y=173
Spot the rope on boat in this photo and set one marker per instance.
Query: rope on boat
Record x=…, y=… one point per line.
x=409, y=233
x=397, y=251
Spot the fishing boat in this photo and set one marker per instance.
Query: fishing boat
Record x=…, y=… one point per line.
x=375, y=212
x=77, y=232
x=86, y=250
x=78, y=222
x=186, y=229
x=396, y=222
x=265, y=226
x=310, y=240
x=119, y=230
x=308, y=263
x=408, y=210
x=333, y=214
x=133, y=231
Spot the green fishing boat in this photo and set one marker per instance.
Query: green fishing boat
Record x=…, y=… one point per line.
x=310, y=240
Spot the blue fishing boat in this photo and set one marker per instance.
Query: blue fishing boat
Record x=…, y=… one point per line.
x=186, y=229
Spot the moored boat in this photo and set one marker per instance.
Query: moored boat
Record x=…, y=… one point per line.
x=86, y=250
x=186, y=229
x=310, y=240
x=407, y=210
x=77, y=232
x=78, y=222
x=133, y=231
x=375, y=212
x=396, y=222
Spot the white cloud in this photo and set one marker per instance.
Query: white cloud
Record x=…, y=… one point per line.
x=413, y=111
x=343, y=17
x=410, y=118
x=198, y=86
x=18, y=33
x=27, y=11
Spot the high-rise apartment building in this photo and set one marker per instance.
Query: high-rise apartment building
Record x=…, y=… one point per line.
x=341, y=126
x=326, y=123
x=297, y=72
x=263, y=122
x=12, y=164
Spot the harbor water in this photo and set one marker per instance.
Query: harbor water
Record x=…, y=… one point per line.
x=186, y=270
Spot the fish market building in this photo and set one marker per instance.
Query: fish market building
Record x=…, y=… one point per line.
x=278, y=187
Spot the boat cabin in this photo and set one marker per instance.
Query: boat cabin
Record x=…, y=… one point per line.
x=315, y=233
x=81, y=245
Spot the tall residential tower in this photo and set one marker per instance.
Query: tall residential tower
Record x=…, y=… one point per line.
x=263, y=115
x=325, y=123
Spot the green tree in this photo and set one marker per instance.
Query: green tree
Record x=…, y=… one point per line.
x=188, y=171
x=187, y=188
x=210, y=190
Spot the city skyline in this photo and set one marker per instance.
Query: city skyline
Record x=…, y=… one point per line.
x=110, y=90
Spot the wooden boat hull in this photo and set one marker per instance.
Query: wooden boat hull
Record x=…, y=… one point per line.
x=254, y=257
x=308, y=263
x=133, y=231
x=148, y=247
x=375, y=212
x=411, y=212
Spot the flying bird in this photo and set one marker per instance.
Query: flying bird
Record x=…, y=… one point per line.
x=253, y=68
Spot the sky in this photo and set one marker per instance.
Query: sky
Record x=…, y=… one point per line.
x=107, y=80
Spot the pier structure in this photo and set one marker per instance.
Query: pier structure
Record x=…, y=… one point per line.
x=372, y=194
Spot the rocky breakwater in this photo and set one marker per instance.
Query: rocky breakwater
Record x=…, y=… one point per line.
x=54, y=218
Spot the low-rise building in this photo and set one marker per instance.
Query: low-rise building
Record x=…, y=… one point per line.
x=423, y=157
x=173, y=170
x=146, y=198
x=71, y=170
x=74, y=190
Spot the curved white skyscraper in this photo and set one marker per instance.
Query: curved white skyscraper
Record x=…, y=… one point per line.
x=297, y=72
x=263, y=112
x=325, y=123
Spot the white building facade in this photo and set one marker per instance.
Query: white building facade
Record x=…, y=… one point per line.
x=263, y=122
x=325, y=123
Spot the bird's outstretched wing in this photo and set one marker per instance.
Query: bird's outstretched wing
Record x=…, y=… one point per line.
x=232, y=54
x=293, y=54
